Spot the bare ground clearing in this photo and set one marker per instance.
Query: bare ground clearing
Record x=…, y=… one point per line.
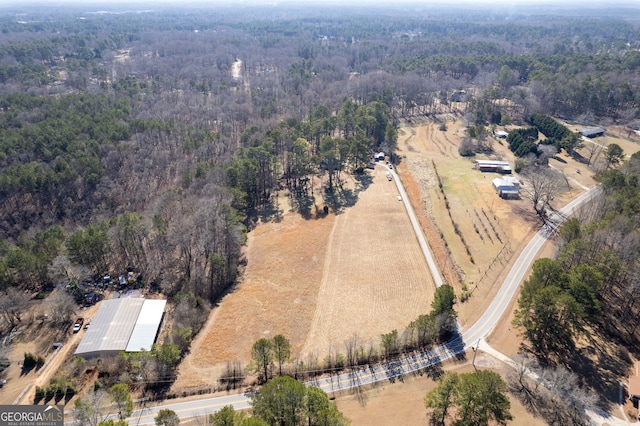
x=319, y=282
x=38, y=338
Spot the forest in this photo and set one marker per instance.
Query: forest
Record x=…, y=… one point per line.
x=152, y=140
x=114, y=123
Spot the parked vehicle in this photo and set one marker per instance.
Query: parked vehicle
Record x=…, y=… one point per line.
x=78, y=325
x=389, y=176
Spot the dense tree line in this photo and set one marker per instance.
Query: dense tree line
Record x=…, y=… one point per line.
x=324, y=144
x=555, y=394
x=557, y=134
x=591, y=285
x=523, y=141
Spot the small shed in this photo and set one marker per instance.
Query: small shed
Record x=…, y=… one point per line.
x=506, y=187
x=591, y=132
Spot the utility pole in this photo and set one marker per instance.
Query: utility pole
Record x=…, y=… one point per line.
x=475, y=351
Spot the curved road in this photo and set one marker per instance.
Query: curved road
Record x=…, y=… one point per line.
x=391, y=370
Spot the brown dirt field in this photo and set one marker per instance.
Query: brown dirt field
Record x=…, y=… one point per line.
x=494, y=230
x=402, y=402
x=319, y=282
x=488, y=224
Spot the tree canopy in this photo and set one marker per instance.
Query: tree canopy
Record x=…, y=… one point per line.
x=288, y=402
x=469, y=399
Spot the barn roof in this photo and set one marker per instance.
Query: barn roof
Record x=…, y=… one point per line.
x=593, y=131
x=117, y=321
x=146, y=328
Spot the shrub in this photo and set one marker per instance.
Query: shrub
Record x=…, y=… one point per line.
x=521, y=163
x=30, y=361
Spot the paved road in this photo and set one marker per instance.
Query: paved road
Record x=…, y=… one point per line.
x=397, y=369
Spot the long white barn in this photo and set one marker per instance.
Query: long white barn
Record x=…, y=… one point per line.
x=127, y=324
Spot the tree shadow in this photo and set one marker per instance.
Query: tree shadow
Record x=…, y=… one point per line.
x=601, y=367
x=528, y=214
x=394, y=371
x=26, y=369
x=338, y=197
x=434, y=366
x=302, y=202
x=269, y=211
x=455, y=346
x=364, y=180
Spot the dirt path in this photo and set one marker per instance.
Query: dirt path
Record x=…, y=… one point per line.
x=21, y=388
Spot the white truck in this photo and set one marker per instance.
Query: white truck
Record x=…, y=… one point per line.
x=389, y=176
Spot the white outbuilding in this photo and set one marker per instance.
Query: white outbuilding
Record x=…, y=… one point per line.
x=506, y=187
x=126, y=324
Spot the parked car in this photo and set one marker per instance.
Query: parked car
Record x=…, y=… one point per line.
x=87, y=324
x=78, y=325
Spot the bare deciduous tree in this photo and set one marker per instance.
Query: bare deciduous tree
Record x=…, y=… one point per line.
x=92, y=409
x=555, y=394
x=13, y=304
x=60, y=306
x=544, y=185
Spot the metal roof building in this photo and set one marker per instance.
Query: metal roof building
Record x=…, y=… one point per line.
x=507, y=187
x=591, y=132
x=126, y=324
x=146, y=328
x=493, y=166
